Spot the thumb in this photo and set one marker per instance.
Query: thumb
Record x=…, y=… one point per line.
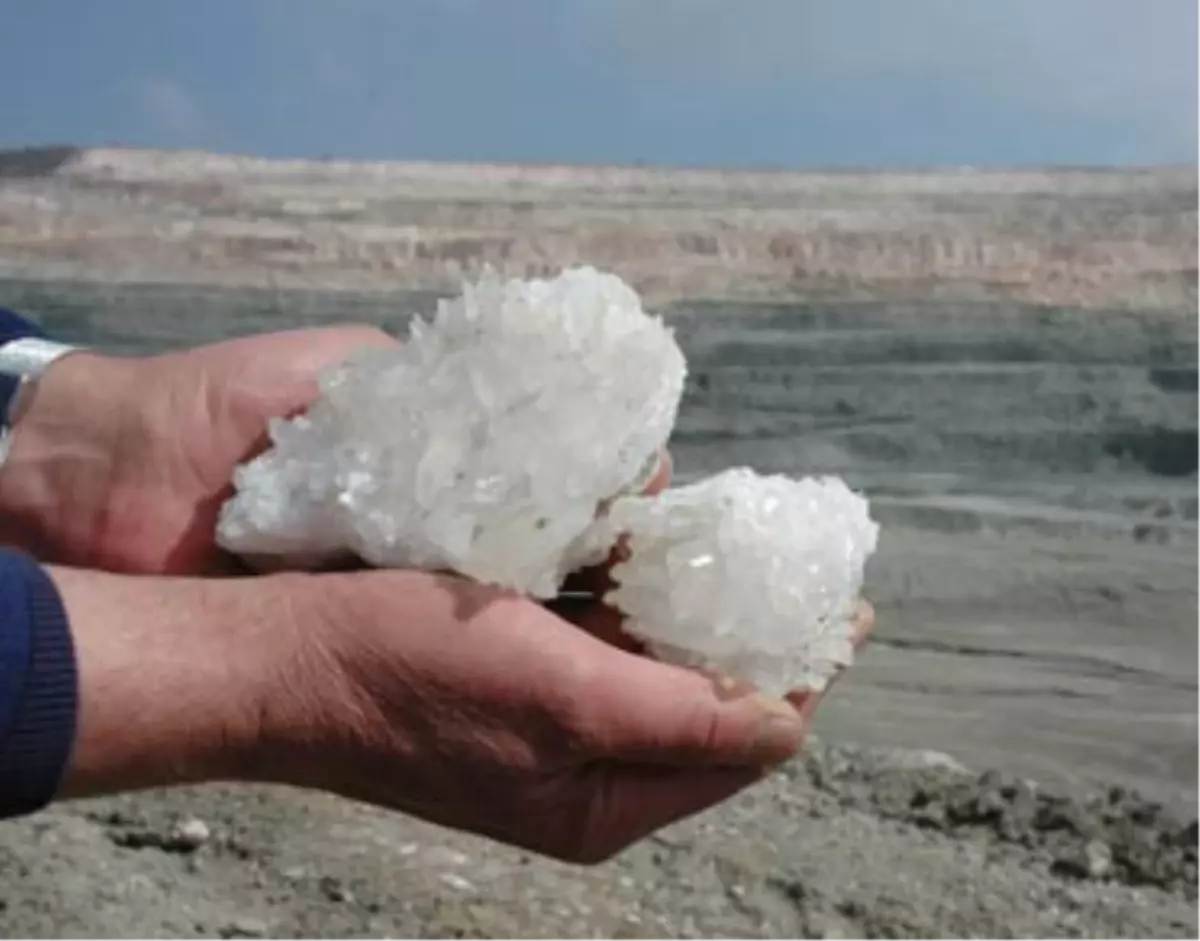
x=652, y=713
x=279, y=372
x=306, y=351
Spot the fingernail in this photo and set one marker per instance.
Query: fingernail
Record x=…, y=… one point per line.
x=779, y=734
x=728, y=688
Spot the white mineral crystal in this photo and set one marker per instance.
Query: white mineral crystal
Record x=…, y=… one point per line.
x=483, y=444
x=755, y=577
x=487, y=444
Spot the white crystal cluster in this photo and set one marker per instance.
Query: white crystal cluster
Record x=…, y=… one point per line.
x=754, y=576
x=488, y=443
x=484, y=444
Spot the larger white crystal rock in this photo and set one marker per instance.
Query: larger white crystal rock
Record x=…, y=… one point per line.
x=482, y=445
x=755, y=577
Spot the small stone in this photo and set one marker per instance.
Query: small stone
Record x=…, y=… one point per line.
x=191, y=834
x=1098, y=856
x=1062, y=813
x=1091, y=861
x=333, y=890
x=990, y=804
x=244, y=928
x=457, y=882
x=829, y=924
x=921, y=760
x=931, y=816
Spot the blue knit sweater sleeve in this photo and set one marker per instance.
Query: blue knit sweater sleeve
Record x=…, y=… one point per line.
x=38, y=677
x=38, y=686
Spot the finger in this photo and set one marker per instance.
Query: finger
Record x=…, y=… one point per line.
x=864, y=622
x=658, y=480
x=596, y=579
x=663, y=714
x=807, y=701
x=282, y=370
x=608, y=624
x=662, y=477
x=632, y=802
x=304, y=352
x=639, y=710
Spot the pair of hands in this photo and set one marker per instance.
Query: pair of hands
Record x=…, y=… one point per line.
x=468, y=706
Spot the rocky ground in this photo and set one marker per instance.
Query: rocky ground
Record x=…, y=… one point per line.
x=842, y=843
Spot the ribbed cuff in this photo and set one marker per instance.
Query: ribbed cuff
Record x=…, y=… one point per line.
x=39, y=688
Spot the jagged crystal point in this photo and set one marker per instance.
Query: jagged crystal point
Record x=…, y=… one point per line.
x=483, y=445
x=754, y=576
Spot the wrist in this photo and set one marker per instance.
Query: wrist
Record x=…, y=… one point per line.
x=63, y=432
x=309, y=704
x=344, y=681
x=175, y=677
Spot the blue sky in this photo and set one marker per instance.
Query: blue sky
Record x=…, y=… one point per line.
x=774, y=82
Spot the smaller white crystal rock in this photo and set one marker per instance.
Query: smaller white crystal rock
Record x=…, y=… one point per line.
x=753, y=576
x=483, y=445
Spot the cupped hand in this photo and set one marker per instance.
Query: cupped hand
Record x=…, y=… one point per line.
x=479, y=710
x=461, y=704
x=122, y=464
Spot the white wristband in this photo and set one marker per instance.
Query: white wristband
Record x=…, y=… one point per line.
x=29, y=357
x=26, y=358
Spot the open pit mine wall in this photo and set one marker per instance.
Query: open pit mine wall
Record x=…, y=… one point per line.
x=1091, y=238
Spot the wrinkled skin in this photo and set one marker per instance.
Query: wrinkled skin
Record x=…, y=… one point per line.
x=492, y=715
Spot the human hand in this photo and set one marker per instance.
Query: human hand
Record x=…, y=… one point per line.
x=122, y=464
x=461, y=704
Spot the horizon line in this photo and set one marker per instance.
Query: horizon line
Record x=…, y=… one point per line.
x=62, y=152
